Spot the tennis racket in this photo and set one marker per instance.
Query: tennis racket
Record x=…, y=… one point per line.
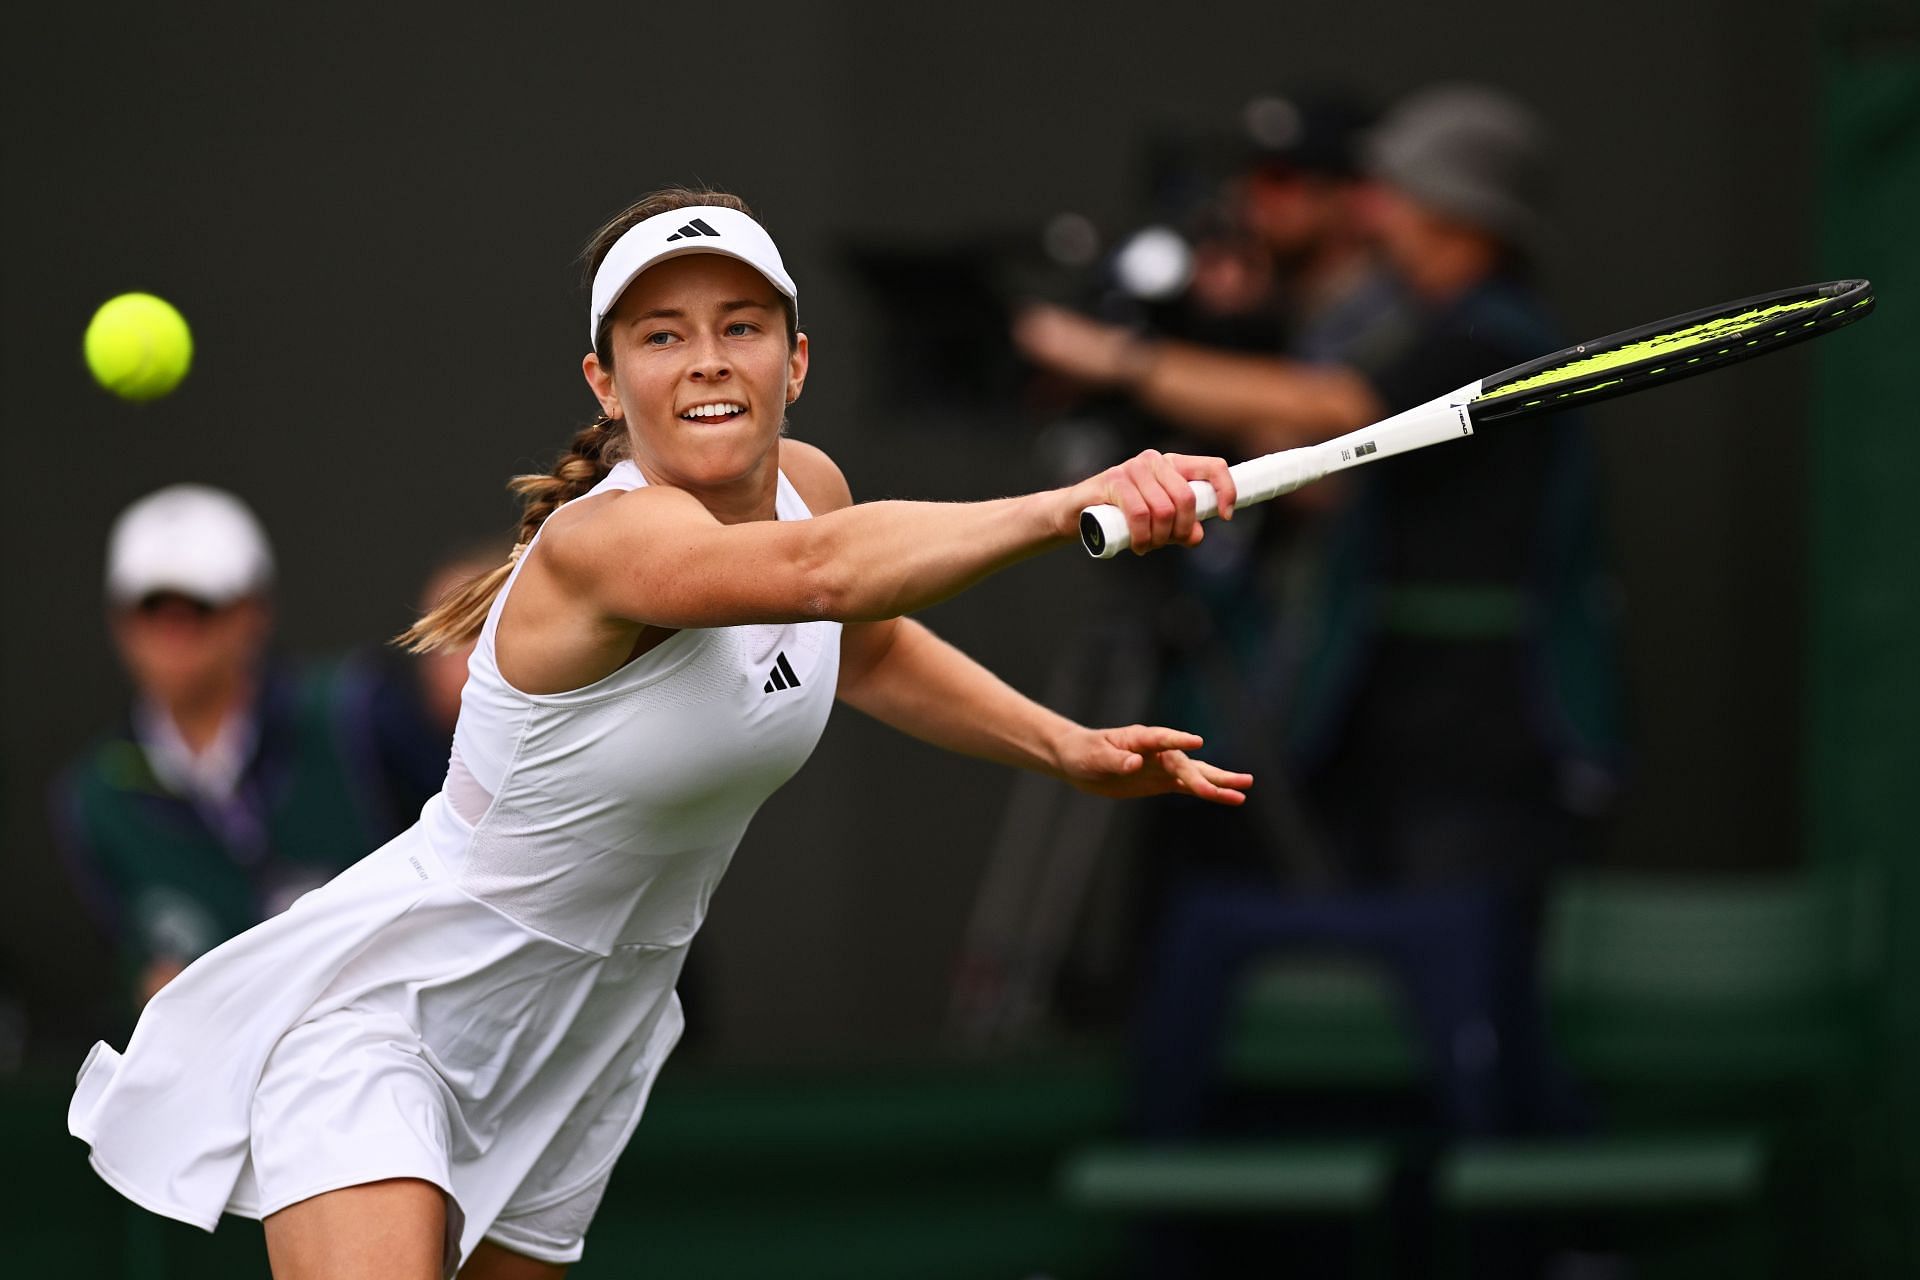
x=1620, y=364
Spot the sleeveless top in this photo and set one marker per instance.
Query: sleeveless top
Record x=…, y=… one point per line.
x=605, y=816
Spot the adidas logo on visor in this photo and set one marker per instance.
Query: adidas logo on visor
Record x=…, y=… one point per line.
x=695, y=228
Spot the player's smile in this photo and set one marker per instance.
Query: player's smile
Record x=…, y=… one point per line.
x=713, y=411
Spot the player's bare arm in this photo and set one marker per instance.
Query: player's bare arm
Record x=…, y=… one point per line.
x=657, y=557
x=903, y=675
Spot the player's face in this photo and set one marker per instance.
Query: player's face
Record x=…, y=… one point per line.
x=702, y=373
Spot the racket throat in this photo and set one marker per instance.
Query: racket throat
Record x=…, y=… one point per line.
x=1438, y=420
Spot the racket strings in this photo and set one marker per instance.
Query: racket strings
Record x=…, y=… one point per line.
x=1715, y=332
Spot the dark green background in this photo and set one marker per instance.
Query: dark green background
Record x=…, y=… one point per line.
x=1863, y=688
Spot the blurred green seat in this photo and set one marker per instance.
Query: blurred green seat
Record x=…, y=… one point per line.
x=1305, y=1020
x=1301, y=1021
x=1664, y=1172
x=1340, y=1188
x=1701, y=1014
x=1708, y=1017
x=1343, y=1177
x=1736, y=983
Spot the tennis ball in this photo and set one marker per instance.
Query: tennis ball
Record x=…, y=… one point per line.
x=138, y=346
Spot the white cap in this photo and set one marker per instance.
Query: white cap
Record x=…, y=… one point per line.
x=702, y=228
x=198, y=541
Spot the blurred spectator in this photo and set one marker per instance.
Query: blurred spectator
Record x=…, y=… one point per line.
x=398, y=709
x=1232, y=627
x=228, y=789
x=1452, y=721
x=1232, y=616
x=1302, y=196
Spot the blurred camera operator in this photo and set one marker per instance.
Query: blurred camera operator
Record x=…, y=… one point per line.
x=1303, y=195
x=1454, y=725
x=1456, y=178
x=1229, y=620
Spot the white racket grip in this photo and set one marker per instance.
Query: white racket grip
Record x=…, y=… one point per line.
x=1104, y=532
x=1103, y=529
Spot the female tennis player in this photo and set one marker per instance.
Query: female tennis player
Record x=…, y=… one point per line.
x=430, y=1064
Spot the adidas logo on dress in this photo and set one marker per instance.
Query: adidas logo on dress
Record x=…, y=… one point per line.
x=782, y=677
x=695, y=228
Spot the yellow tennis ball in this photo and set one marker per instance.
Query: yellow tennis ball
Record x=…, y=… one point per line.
x=138, y=346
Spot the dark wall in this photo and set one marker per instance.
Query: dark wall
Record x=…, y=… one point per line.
x=370, y=223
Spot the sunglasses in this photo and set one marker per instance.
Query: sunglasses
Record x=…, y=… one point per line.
x=175, y=604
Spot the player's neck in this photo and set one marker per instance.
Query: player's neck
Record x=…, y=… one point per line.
x=751, y=497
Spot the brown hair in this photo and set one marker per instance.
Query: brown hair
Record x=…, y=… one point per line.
x=459, y=615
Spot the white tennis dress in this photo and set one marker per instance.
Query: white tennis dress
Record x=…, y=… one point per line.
x=484, y=1002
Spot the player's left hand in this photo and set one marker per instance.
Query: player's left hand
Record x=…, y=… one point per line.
x=1146, y=760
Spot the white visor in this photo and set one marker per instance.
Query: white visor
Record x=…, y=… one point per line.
x=698, y=229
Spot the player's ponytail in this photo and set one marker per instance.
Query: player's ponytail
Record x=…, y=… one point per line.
x=457, y=617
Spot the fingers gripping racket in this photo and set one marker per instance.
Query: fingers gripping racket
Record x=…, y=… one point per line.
x=1617, y=365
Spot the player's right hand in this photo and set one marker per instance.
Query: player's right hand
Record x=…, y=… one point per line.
x=1152, y=492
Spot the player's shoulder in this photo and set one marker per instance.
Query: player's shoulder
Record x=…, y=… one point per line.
x=577, y=540
x=606, y=512
x=814, y=476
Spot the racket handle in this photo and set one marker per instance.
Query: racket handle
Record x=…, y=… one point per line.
x=1103, y=528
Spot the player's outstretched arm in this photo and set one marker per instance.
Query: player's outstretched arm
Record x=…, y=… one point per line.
x=656, y=556
x=903, y=675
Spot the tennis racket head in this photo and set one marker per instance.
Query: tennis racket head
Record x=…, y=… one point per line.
x=1668, y=350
